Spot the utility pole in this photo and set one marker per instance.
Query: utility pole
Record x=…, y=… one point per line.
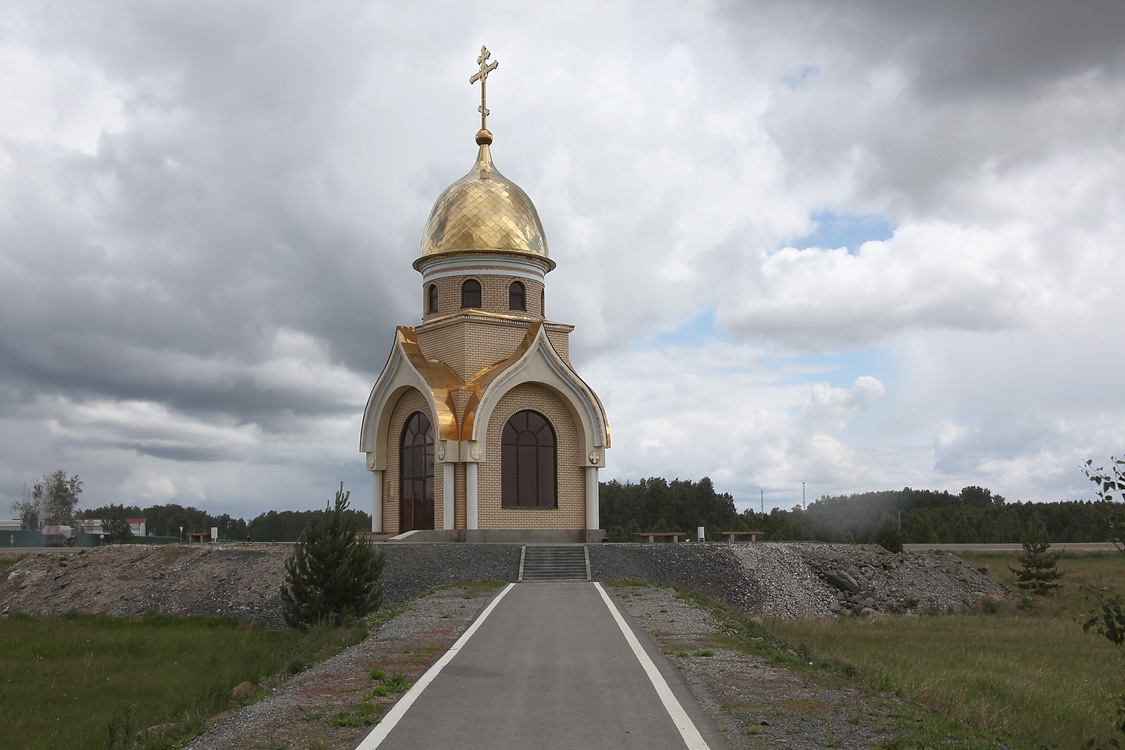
x=804, y=505
x=763, y=501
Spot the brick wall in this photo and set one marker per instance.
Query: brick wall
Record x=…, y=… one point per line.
x=571, y=510
x=494, y=295
x=561, y=341
x=468, y=346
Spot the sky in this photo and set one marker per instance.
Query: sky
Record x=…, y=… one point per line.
x=807, y=246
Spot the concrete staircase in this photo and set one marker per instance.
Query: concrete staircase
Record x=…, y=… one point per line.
x=543, y=563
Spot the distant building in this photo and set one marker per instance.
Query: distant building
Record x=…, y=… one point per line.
x=94, y=525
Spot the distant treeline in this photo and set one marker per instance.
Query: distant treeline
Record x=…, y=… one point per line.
x=273, y=526
x=924, y=516
x=974, y=515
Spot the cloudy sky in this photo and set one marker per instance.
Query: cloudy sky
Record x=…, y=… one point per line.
x=862, y=245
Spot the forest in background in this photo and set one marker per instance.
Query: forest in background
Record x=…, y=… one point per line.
x=273, y=526
x=974, y=515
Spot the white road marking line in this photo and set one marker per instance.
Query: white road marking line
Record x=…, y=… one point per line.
x=692, y=738
x=392, y=717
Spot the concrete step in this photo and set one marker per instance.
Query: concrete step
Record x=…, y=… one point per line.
x=542, y=563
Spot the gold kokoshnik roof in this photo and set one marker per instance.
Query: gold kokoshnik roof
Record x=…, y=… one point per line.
x=484, y=211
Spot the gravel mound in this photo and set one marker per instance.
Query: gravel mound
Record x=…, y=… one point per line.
x=795, y=580
x=121, y=580
x=867, y=578
x=235, y=580
x=788, y=580
x=788, y=586
x=711, y=569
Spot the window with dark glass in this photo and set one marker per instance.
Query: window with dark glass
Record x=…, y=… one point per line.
x=470, y=293
x=416, y=472
x=517, y=296
x=528, y=458
x=431, y=299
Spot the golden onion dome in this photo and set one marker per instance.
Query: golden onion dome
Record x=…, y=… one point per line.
x=484, y=212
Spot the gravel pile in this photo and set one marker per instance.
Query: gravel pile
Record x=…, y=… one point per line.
x=787, y=586
x=866, y=578
x=794, y=580
x=235, y=580
x=711, y=569
x=777, y=579
x=121, y=580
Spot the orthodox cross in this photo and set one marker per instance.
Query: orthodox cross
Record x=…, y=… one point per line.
x=481, y=75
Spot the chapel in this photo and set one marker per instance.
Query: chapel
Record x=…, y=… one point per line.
x=479, y=428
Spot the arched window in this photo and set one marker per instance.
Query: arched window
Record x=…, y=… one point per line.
x=470, y=293
x=431, y=299
x=416, y=474
x=517, y=296
x=528, y=462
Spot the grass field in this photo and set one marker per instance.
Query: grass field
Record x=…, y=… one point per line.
x=1023, y=671
x=65, y=679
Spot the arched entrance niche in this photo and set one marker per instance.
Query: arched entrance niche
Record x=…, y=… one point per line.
x=416, y=474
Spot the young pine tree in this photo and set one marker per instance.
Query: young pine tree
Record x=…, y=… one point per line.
x=1039, y=573
x=332, y=576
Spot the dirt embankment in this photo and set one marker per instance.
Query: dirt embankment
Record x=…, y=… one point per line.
x=785, y=580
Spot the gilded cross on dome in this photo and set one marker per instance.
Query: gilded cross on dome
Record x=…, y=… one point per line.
x=482, y=75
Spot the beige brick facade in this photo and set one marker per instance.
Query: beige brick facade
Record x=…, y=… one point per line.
x=571, y=510
x=494, y=295
x=468, y=346
x=560, y=339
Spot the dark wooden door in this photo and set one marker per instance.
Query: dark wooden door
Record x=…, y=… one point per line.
x=416, y=468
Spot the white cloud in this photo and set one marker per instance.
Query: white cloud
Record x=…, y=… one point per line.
x=209, y=212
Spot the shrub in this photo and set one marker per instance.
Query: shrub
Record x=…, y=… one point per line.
x=397, y=683
x=333, y=575
x=1039, y=573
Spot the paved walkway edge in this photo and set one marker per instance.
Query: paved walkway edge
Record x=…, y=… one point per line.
x=688, y=731
x=399, y=709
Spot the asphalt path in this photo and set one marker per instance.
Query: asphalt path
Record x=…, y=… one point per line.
x=549, y=667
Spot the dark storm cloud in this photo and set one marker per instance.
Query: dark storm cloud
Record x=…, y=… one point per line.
x=208, y=222
x=951, y=49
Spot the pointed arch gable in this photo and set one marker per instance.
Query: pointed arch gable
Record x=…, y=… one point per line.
x=541, y=363
x=406, y=369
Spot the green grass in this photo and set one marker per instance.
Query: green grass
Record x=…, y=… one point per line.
x=66, y=679
x=1027, y=674
x=477, y=589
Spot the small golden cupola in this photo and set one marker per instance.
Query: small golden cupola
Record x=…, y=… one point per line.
x=483, y=212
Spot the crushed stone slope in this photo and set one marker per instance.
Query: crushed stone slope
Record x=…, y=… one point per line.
x=779, y=579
